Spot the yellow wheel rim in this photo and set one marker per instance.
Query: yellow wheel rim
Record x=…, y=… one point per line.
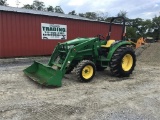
x=127, y=62
x=87, y=72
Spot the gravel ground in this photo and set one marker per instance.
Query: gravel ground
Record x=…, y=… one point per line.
x=105, y=98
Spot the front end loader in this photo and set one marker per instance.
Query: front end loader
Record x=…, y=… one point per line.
x=86, y=55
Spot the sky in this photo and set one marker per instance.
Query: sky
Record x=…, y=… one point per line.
x=146, y=9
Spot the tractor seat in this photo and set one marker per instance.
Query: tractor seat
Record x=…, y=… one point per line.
x=109, y=43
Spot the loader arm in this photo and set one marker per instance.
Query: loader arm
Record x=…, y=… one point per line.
x=72, y=52
x=61, y=58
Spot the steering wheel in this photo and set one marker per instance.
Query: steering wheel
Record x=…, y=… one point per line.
x=101, y=37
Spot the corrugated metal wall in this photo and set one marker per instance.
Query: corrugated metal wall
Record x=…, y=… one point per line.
x=20, y=34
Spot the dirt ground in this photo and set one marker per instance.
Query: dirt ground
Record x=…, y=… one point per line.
x=105, y=98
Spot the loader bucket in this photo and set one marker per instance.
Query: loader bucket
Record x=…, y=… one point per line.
x=44, y=75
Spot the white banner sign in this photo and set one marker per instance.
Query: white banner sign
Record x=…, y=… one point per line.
x=53, y=31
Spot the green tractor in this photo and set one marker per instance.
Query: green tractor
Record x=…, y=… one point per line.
x=86, y=55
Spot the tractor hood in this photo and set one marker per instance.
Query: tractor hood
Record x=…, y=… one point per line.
x=78, y=41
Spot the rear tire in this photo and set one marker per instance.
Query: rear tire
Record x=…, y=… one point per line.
x=123, y=62
x=85, y=71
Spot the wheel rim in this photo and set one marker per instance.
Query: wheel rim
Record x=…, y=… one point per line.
x=127, y=62
x=87, y=72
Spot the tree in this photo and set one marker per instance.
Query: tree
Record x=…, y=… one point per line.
x=37, y=5
x=28, y=6
x=58, y=9
x=102, y=16
x=81, y=14
x=108, y=19
x=131, y=32
x=91, y=15
x=141, y=27
x=156, y=27
x=73, y=12
x=122, y=14
x=3, y=2
x=50, y=8
x=146, y=25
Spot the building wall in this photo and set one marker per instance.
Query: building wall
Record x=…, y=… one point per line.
x=20, y=34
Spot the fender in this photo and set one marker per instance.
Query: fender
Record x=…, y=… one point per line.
x=115, y=46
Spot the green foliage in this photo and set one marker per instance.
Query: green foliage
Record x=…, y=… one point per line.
x=141, y=27
x=89, y=15
x=73, y=12
x=108, y=19
x=156, y=27
x=99, y=16
x=50, y=9
x=102, y=16
x=156, y=22
x=3, y=2
x=58, y=9
x=131, y=32
x=122, y=14
x=81, y=14
x=27, y=6
x=38, y=5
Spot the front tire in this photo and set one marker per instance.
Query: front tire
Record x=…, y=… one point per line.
x=85, y=71
x=123, y=62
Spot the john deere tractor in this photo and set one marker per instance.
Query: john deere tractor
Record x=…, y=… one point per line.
x=86, y=55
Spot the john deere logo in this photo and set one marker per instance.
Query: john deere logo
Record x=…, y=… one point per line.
x=53, y=31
